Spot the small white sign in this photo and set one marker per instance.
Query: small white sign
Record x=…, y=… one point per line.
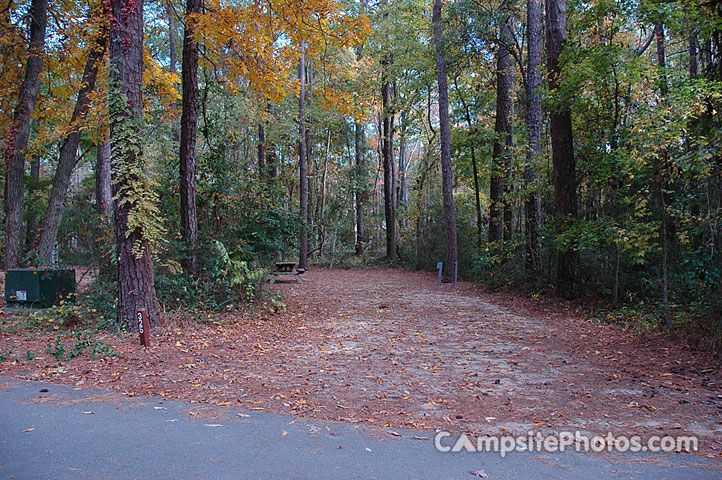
x=21, y=295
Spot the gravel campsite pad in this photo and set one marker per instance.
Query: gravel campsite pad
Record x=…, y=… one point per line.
x=392, y=349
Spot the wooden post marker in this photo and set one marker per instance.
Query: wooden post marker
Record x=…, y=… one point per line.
x=143, y=327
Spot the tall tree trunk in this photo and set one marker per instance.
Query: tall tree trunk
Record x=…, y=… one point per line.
x=20, y=135
x=403, y=190
x=261, y=151
x=562, y=140
x=447, y=174
x=103, y=191
x=302, y=163
x=310, y=160
x=32, y=233
x=173, y=65
x=362, y=193
x=499, y=210
x=661, y=58
x=477, y=195
x=310, y=216
x=69, y=148
x=321, y=197
x=422, y=184
x=189, y=128
x=388, y=166
x=271, y=160
x=532, y=202
x=387, y=151
x=172, y=37
x=136, y=284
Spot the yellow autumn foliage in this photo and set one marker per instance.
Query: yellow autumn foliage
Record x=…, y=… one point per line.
x=258, y=41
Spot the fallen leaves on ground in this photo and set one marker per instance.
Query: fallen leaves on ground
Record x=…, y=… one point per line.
x=392, y=349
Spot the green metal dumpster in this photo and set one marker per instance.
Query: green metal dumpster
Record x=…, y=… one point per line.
x=38, y=287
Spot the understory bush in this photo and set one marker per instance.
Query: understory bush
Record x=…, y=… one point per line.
x=226, y=281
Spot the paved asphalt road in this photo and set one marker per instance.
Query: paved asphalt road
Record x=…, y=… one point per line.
x=67, y=433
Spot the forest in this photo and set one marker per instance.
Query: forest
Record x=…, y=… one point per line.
x=563, y=150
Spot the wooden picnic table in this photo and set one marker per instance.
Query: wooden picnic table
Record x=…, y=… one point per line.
x=287, y=268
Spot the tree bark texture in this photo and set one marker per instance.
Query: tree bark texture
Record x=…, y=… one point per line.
x=387, y=150
x=562, y=141
x=32, y=235
x=302, y=163
x=172, y=37
x=136, y=284
x=362, y=194
x=532, y=201
x=447, y=174
x=189, y=129
x=261, y=151
x=499, y=210
x=20, y=136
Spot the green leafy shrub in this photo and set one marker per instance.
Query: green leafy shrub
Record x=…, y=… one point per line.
x=81, y=342
x=227, y=281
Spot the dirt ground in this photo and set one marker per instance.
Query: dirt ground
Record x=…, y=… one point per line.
x=392, y=349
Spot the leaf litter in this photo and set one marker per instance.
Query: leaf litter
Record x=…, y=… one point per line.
x=391, y=349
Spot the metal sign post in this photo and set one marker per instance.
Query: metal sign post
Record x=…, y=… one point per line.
x=440, y=268
x=143, y=327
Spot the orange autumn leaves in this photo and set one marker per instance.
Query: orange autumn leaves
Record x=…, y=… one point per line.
x=256, y=44
x=251, y=45
x=75, y=28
